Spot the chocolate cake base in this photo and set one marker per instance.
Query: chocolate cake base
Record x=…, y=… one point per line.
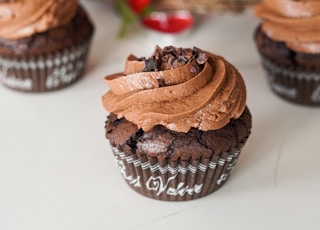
x=172, y=166
x=49, y=60
x=291, y=75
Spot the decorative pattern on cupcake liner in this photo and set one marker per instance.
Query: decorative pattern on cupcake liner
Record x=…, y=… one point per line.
x=293, y=85
x=176, y=180
x=47, y=72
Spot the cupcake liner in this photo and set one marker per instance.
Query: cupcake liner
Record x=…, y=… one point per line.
x=297, y=86
x=176, y=180
x=45, y=72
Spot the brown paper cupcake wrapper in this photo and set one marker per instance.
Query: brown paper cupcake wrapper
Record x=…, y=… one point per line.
x=176, y=180
x=293, y=85
x=47, y=72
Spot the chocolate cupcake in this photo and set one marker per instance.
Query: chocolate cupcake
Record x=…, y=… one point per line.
x=43, y=44
x=177, y=122
x=288, y=41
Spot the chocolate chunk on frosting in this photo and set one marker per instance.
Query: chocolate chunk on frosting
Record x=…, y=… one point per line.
x=179, y=89
x=171, y=57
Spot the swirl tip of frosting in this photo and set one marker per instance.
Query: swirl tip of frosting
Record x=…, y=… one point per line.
x=178, y=88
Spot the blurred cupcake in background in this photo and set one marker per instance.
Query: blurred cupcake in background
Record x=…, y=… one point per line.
x=43, y=44
x=288, y=40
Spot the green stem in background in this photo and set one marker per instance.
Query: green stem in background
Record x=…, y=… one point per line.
x=128, y=17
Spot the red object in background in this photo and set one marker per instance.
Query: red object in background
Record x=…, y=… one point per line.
x=168, y=22
x=138, y=5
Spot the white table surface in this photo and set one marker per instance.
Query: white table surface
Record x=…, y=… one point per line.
x=57, y=170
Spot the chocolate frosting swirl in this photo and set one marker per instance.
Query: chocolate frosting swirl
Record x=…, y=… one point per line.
x=294, y=22
x=23, y=18
x=202, y=90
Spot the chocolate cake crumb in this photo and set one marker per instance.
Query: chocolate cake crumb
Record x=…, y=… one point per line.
x=194, y=69
x=202, y=58
x=187, y=53
x=182, y=58
x=151, y=64
x=169, y=50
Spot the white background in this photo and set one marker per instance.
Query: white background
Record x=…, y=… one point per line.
x=57, y=170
